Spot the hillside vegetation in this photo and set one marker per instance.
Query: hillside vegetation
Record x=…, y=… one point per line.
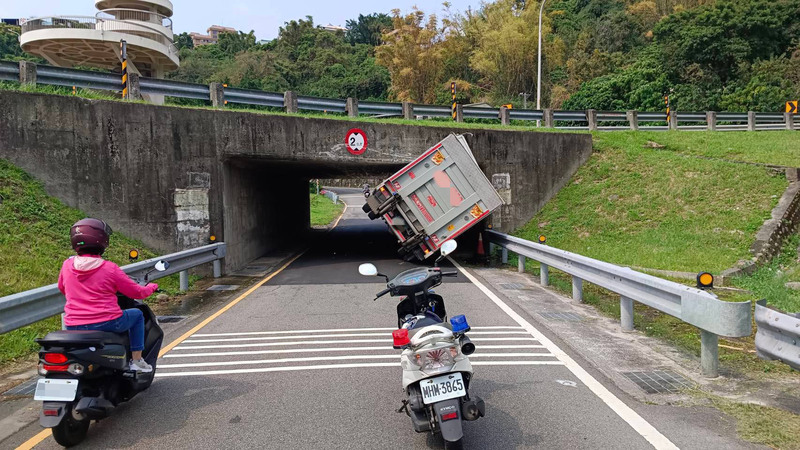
x=667, y=208
x=34, y=241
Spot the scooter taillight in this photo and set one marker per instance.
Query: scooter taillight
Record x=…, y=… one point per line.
x=55, y=358
x=55, y=368
x=51, y=412
x=449, y=416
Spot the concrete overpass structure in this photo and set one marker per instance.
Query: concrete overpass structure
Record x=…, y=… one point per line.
x=173, y=176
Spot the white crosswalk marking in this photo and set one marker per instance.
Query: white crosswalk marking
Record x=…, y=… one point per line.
x=296, y=350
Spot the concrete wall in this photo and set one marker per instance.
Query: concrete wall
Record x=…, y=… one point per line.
x=172, y=176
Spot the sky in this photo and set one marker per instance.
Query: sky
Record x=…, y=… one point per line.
x=264, y=17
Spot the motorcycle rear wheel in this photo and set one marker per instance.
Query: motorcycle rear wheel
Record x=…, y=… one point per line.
x=70, y=431
x=457, y=445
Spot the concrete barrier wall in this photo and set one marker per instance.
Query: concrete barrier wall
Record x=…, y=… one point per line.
x=171, y=176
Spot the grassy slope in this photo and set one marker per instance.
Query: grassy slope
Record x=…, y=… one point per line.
x=34, y=241
x=323, y=211
x=657, y=208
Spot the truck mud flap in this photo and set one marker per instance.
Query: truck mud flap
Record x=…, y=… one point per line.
x=449, y=425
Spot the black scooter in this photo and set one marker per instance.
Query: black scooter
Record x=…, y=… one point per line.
x=85, y=373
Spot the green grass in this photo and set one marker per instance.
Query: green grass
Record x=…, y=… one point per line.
x=34, y=241
x=323, y=210
x=775, y=428
x=659, y=209
x=769, y=281
x=780, y=148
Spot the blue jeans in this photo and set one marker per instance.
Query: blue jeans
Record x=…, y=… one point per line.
x=131, y=320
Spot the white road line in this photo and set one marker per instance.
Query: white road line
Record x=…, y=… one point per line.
x=333, y=330
x=318, y=336
x=339, y=366
x=341, y=358
x=312, y=350
x=643, y=427
x=342, y=341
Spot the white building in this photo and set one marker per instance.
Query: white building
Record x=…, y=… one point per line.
x=68, y=41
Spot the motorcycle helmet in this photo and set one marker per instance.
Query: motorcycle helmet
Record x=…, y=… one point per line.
x=90, y=236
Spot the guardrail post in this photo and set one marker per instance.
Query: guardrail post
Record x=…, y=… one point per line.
x=577, y=289
x=505, y=116
x=751, y=121
x=408, y=111
x=591, y=117
x=184, y=280
x=459, y=113
x=544, y=274
x=290, y=102
x=709, y=354
x=633, y=120
x=711, y=119
x=27, y=72
x=520, y=264
x=673, y=120
x=547, y=113
x=504, y=255
x=351, y=107
x=134, y=88
x=626, y=313
x=789, y=119
x=217, y=264
x=217, y=95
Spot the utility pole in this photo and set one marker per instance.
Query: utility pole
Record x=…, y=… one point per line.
x=539, y=76
x=524, y=96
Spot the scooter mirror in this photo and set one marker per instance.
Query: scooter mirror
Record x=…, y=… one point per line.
x=161, y=266
x=368, y=270
x=449, y=247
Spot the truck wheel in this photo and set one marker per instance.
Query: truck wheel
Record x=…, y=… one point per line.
x=372, y=215
x=366, y=208
x=70, y=431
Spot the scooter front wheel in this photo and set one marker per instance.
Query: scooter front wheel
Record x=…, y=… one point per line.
x=70, y=431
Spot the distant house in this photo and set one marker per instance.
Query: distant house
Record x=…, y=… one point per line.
x=10, y=21
x=334, y=28
x=212, y=37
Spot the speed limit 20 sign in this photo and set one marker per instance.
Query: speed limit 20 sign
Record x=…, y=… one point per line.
x=356, y=141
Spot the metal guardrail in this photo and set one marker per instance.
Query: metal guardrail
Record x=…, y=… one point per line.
x=778, y=335
x=25, y=308
x=567, y=120
x=702, y=309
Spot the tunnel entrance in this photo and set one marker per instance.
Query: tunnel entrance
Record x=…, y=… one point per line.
x=266, y=202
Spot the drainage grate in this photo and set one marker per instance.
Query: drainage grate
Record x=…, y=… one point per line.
x=170, y=319
x=512, y=286
x=562, y=316
x=223, y=287
x=659, y=381
x=26, y=388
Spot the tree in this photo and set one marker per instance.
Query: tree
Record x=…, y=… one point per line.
x=368, y=29
x=233, y=43
x=184, y=40
x=412, y=53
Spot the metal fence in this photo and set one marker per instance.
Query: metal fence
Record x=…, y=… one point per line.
x=700, y=308
x=25, y=308
x=570, y=120
x=778, y=335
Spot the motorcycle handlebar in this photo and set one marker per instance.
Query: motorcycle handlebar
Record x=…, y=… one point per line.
x=450, y=274
x=382, y=293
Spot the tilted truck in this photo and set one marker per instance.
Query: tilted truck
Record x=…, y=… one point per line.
x=435, y=198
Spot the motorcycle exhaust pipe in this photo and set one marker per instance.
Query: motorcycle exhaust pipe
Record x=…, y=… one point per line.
x=467, y=347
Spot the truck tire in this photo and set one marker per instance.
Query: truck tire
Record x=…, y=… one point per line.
x=372, y=215
x=366, y=208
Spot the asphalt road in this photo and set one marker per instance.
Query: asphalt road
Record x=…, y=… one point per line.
x=306, y=361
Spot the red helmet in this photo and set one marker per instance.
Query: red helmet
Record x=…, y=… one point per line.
x=90, y=236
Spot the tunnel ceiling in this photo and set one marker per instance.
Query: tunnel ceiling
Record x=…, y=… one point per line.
x=313, y=169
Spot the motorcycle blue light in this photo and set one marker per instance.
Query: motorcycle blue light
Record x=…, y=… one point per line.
x=459, y=323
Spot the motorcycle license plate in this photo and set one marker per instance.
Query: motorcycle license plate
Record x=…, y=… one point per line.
x=56, y=390
x=441, y=388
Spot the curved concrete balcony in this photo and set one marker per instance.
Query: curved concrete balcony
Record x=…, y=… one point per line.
x=163, y=7
x=158, y=22
x=94, y=41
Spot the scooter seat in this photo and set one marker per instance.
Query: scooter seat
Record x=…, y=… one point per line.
x=82, y=338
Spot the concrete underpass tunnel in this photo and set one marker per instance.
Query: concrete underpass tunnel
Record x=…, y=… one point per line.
x=266, y=203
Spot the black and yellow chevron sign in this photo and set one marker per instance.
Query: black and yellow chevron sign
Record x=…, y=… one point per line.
x=123, y=55
x=791, y=106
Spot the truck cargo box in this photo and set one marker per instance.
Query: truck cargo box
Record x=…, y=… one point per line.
x=433, y=199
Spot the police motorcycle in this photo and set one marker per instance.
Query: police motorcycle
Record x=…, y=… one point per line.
x=435, y=354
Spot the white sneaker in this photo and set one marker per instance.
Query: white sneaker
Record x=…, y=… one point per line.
x=140, y=365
